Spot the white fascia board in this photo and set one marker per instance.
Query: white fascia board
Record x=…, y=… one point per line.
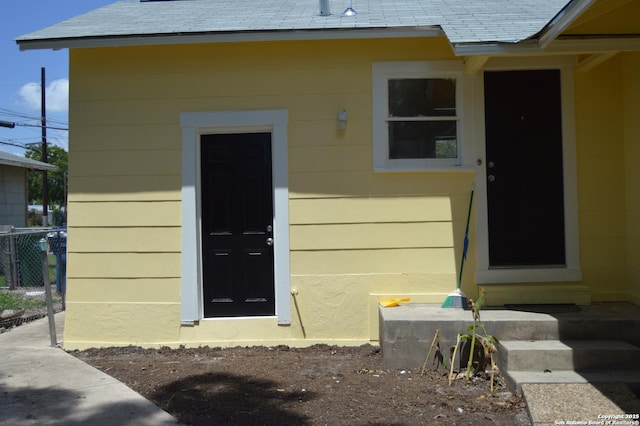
x=562, y=21
x=240, y=36
x=568, y=46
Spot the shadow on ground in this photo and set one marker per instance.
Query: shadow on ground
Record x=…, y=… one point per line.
x=228, y=399
x=60, y=406
x=622, y=395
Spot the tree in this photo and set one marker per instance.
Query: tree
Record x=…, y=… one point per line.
x=56, y=180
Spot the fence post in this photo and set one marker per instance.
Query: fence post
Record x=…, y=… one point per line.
x=7, y=253
x=44, y=248
x=13, y=258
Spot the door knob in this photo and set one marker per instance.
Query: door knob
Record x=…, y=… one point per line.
x=269, y=228
x=269, y=241
x=491, y=178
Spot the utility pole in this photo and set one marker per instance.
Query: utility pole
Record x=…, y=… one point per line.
x=45, y=189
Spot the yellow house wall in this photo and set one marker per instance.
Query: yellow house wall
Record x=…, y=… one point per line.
x=631, y=82
x=355, y=236
x=601, y=180
x=608, y=17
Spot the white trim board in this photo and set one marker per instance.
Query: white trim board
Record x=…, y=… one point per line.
x=193, y=125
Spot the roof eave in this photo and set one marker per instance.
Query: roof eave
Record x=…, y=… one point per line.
x=27, y=165
x=231, y=36
x=562, y=46
x=562, y=21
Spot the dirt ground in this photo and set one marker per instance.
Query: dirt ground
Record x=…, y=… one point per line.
x=320, y=385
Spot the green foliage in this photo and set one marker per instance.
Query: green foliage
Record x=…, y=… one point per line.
x=482, y=346
x=56, y=180
x=16, y=302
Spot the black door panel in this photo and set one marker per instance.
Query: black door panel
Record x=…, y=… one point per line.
x=237, y=223
x=524, y=167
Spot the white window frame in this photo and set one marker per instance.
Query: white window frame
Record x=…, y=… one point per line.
x=382, y=72
x=195, y=124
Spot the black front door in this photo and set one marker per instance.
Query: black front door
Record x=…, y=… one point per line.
x=523, y=122
x=237, y=225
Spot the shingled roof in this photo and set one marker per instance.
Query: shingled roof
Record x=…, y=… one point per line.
x=145, y=22
x=13, y=160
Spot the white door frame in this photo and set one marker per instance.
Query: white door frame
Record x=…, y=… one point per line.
x=572, y=271
x=195, y=124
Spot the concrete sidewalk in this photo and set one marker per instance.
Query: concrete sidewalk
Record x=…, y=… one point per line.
x=43, y=385
x=551, y=404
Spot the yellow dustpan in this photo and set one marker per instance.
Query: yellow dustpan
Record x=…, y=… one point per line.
x=389, y=303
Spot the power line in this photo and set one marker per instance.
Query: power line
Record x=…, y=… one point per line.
x=11, y=113
x=13, y=124
x=13, y=144
x=41, y=126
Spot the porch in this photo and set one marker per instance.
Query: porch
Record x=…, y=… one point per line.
x=598, y=343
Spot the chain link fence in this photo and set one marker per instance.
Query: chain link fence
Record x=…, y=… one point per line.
x=23, y=273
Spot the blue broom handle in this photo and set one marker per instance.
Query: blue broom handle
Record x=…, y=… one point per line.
x=465, y=246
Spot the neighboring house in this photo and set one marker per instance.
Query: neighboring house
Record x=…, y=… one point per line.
x=13, y=187
x=217, y=199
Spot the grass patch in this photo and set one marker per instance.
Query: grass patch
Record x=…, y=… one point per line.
x=17, y=302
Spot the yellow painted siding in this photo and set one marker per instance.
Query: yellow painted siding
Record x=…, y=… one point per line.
x=121, y=324
x=149, y=239
x=122, y=188
x=608, y=17
x=373, y=261
x=360, y=236
x=124, y=291
x=358, y=184
x=126, y=163
x=631, y=71
x=353, y=233
x=601, y=180
x=123, y=265
x=305, y=211
x=126, y=214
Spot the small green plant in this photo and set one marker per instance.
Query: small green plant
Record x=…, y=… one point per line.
x=481, y=346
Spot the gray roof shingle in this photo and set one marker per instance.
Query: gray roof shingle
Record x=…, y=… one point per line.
x=463, y=21
x=8, y=159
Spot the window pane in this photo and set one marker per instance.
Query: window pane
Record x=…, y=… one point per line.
x=422, y=97
x=423, y=139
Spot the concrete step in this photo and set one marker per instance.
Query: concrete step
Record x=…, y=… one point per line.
x=554, y=355
x=406, y=331
x=515, y=379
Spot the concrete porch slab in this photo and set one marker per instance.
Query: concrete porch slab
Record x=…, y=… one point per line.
x=406, y=331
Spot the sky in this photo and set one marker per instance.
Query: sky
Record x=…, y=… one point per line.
x=20, y=72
